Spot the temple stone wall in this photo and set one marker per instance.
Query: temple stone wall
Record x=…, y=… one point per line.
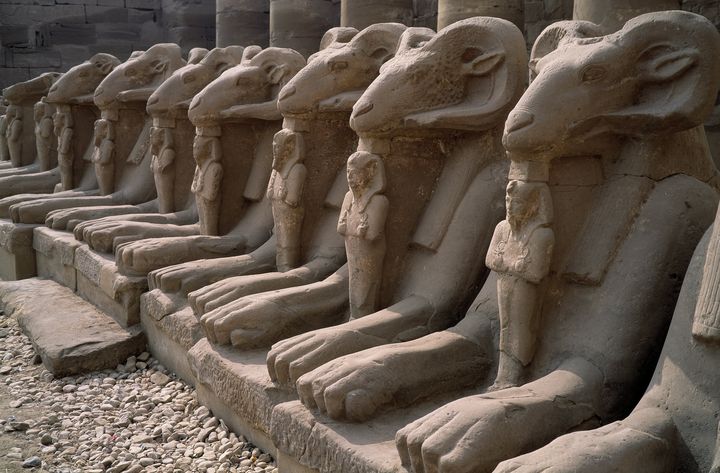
x=53, y=35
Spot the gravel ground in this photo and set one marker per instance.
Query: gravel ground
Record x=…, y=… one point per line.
x=136, y=418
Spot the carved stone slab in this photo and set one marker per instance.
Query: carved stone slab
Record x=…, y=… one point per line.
x=70, y=336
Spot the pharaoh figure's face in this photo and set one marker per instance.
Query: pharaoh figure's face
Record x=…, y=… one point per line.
x=58, y=122
x=201, y=147
x=283, y=149
x=39, y=110
x=101, y=128
x=360, y=172
x=520, y=201
x=156, y=139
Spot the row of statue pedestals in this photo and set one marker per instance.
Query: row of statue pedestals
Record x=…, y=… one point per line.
x=398, y=254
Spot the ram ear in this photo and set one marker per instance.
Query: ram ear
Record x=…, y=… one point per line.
x=280, y=64
x=663, y=64
x=677, y=71
x=250, y=52
x=158, y=66
x=276, y=72
x=340, y=34
x=380, y=41
x=492, y=57
x=479, y=63
x=558, y=34
x=196, y=55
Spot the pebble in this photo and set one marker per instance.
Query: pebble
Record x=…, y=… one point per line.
x=32, y=462
x=132, y=419
x=161, y=379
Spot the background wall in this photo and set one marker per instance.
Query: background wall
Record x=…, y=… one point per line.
x=53, y=35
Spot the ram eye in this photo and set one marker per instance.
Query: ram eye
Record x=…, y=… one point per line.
x=188, y=78
x=593, y=74
x=336, y=66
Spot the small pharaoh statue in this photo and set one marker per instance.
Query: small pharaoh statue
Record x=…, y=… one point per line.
x=285, y=191
x=163, y=157
x=14, y=134
x=64, y=131
x=207, y=180
x=706, y=321
x=4, y=151
x=43, y=134
x=362, y=223
x=520, y=253
x=104, y=155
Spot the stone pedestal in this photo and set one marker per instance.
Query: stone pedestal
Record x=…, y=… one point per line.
x=94, y=276
x=612, y=14
x=363, y=13
x=301, y=25
x=70, y=335
x=242, y=22
x=450, y=11
x=17, y=257
x=236, y=387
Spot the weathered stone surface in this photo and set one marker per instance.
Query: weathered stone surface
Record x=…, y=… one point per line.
x=363, y=13
x=300, y=26
x=450, y=11
x=69, y=334
x=242, y=22
x=17, y=257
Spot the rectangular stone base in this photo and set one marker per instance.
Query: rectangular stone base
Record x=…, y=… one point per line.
x=94, y=276
x=70, y=335
x=236, y=386
x=171, y=337
x=55, y=254
x=17, y=256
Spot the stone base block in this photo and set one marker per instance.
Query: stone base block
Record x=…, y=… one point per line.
x=237, y=388
x=70, y=335
x=94, y=276
x=100, y=282
x=55, y=255
x=170, y=337
x=17, y=256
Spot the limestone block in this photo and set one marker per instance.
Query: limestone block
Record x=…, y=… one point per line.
x=70, y=335
x=301, y=25
x=111, y=3
x=36, y=58
x=144, y=4
x=24, y=15
x=12, y=35
x=137, y=16
x=106, y=13
x=188, y=13
x=69, y=33
x=17, y=257
x=13, y=75
x=450, y=11
x=363, y=13
x=72, y=2
x=120, y=33
x=191, y=36
x=242, y=22
x=612, y=14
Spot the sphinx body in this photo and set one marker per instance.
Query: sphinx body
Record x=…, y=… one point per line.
x=315, y=103
x=173, y=212
x=243, y=96
x=590, y=260
x=121, y=97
